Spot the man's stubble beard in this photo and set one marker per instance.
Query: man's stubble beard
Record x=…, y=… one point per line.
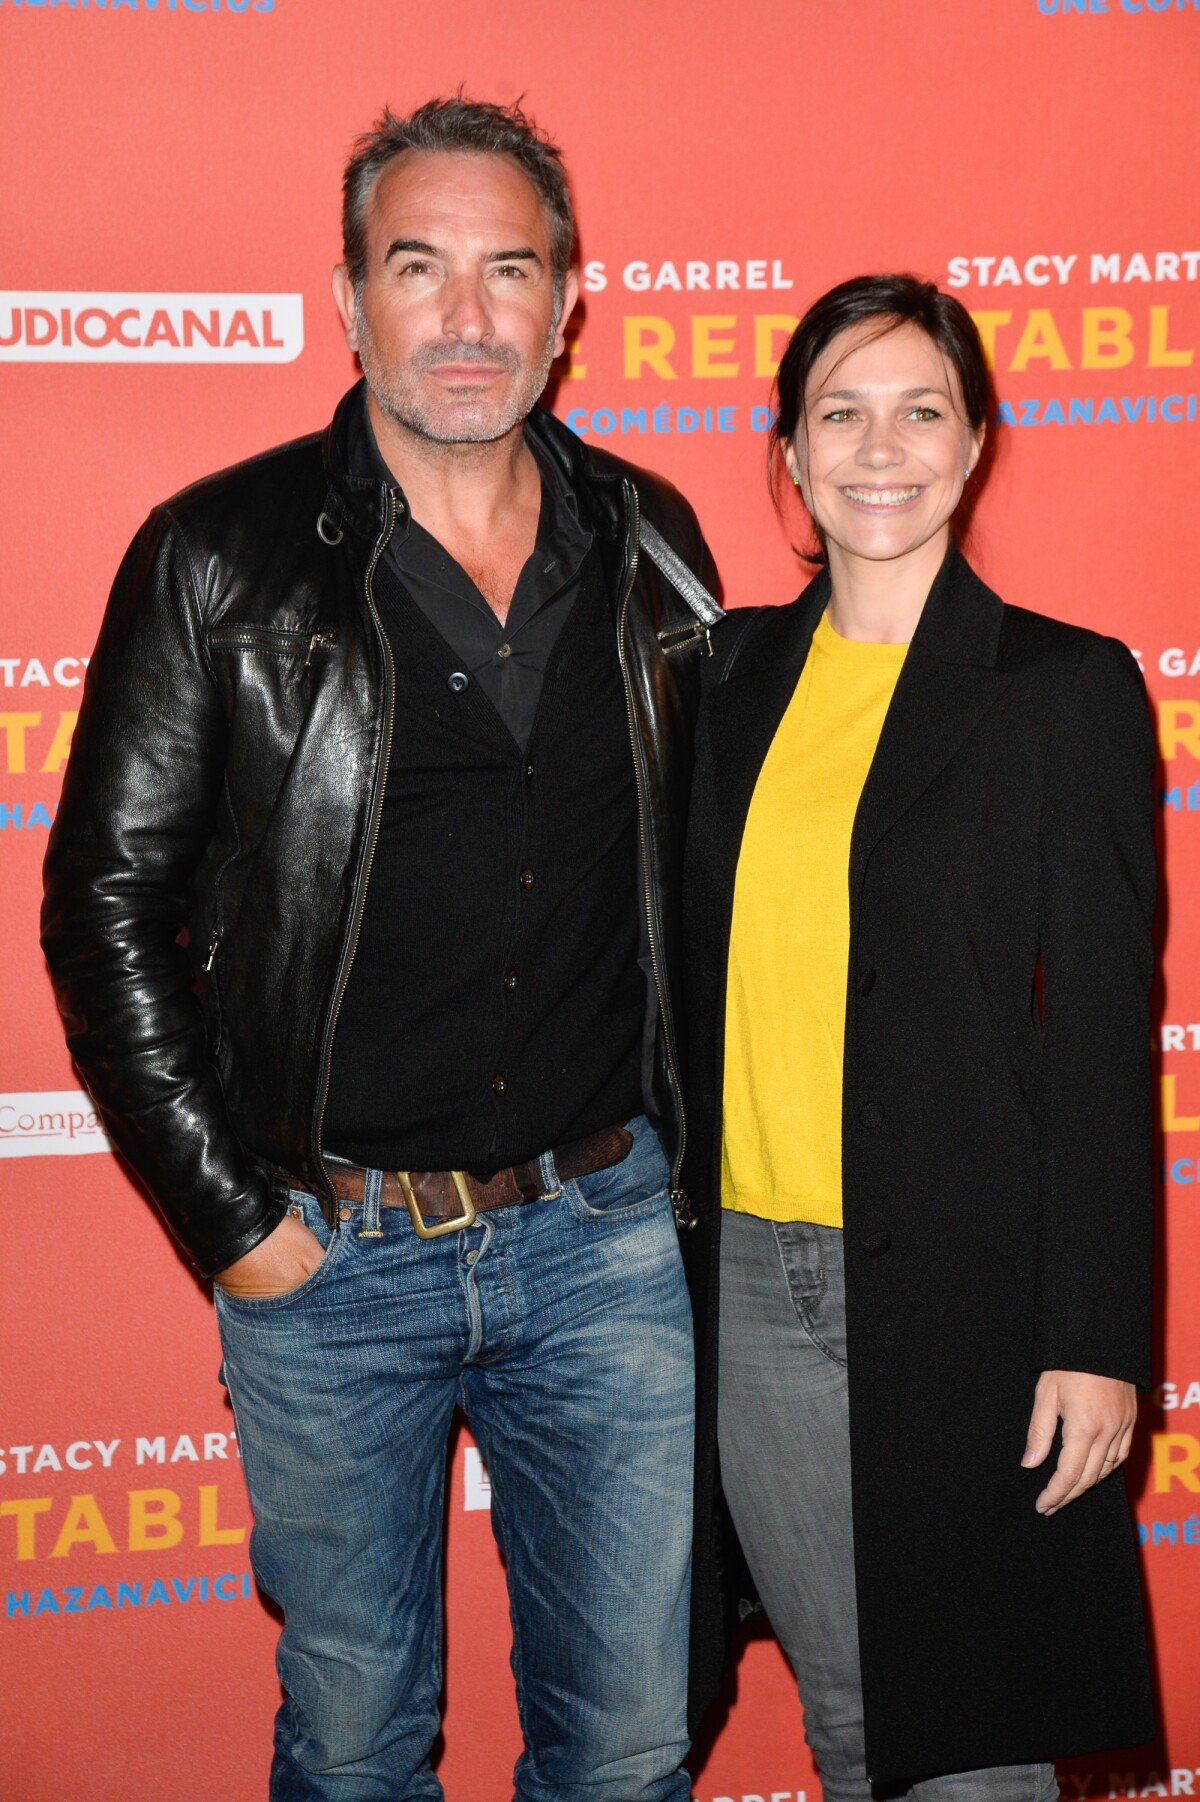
x=397, y=391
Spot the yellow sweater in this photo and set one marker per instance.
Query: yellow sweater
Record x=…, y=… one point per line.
x=786, y=999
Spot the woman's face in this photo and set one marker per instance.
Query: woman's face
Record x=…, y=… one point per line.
x=883, y=447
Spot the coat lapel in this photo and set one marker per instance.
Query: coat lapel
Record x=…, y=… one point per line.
x=746, y=708
x=949, y=681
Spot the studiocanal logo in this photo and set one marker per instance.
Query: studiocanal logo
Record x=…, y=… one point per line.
x=37, y=326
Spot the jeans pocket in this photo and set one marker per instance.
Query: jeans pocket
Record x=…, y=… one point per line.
x=811, y=1257
x=334, y=1240
x=634, y=1186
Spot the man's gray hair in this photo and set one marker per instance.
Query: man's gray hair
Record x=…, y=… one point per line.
x=458, y=124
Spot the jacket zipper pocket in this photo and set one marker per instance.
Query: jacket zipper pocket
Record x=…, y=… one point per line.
x=677, y=638
x=267, y=638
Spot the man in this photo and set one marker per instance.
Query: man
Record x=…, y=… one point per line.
x=396, y=722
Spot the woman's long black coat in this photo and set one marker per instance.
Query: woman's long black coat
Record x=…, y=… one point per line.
x=996, y=1163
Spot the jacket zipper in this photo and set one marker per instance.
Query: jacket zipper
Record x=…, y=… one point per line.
x=680, y=1204
x=360, y=899
x=271, y=638
x=678, y=638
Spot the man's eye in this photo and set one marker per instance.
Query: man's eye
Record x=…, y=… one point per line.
x=507, y=269
x=416, y=268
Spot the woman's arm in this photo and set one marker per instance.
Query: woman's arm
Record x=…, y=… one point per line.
x=1097, y=891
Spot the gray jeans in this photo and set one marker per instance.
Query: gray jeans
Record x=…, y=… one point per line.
x=785, y=1463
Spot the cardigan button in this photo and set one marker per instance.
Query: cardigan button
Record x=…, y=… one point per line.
x=866, y=981
x=877, y=1245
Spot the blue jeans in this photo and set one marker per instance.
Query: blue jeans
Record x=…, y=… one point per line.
x=563, y=1331
x=784, y=1431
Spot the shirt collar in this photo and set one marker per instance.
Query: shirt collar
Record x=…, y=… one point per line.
x=563, y=541
x=559, y=516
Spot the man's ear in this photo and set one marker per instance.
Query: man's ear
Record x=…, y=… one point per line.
x=343, y=299
x=570, y=296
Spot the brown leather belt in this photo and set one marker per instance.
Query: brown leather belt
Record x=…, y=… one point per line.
x=444, y=1201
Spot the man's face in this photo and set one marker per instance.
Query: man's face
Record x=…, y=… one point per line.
x=456, y=325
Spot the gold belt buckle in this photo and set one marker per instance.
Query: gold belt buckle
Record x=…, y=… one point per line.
x=465, y=1219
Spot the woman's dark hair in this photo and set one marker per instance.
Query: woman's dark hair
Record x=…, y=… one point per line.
x=891, y=300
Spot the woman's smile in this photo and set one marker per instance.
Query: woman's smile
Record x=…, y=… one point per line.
x=878, y=500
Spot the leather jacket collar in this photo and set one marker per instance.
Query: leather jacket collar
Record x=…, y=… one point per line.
x=360, y=503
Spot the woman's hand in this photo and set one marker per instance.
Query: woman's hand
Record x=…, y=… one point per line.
x=1098, y=1415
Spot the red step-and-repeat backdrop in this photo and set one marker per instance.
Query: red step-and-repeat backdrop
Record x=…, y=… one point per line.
x=168, y=219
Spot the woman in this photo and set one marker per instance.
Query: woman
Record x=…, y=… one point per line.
x=921, y=885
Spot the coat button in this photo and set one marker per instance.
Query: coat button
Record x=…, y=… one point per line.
x=866, y=981
x=504, y=651
x=528, y=771
x=457, y=682
x=500, y=1085
x=527, y=877
x=871, y=1114
x=510, y=979
x=877, y=1245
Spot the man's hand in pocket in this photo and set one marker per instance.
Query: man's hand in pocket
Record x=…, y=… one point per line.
x=282, y=1261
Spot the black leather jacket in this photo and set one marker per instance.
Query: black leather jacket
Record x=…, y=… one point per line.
x=207, y=871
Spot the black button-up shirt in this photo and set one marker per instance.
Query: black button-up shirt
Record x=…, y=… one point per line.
x=495, y=1004
x=507, y=661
